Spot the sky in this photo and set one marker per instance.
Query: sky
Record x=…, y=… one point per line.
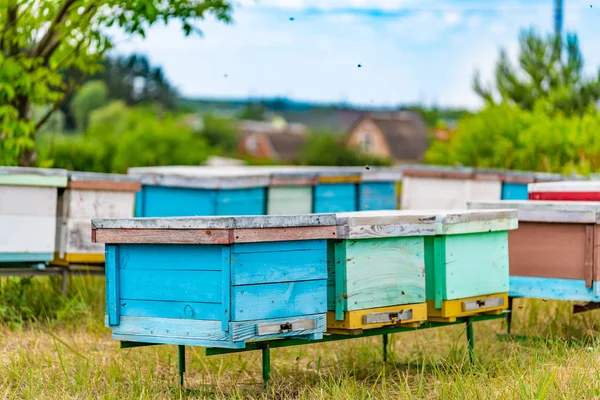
x=409, y=51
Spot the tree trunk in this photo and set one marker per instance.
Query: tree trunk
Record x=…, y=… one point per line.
x=27, y=157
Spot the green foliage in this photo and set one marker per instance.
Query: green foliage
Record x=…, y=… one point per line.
x=254, y=112
x=550, y=69
x=328, y=149
x=55, y=123
x=220, y=133
x=92, y=95
x=506, y=136
x=40, y=39
x=119, y=137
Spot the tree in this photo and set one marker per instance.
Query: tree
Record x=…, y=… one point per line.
x=329, y=149
x=41, y=38
x=549, y=68
x=220, y=133
x=253, y=111
x=92, y=95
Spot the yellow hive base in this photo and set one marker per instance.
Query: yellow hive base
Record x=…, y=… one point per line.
x=78, y=258
x=452, y=309
x=353, y=320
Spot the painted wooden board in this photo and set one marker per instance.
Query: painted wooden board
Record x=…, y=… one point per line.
x=383, y=224
x=514, y=191
x=289, y=200
x=249, y=330
x=371, y=273
x=27, y=220
x=547, y=211
x=162, y=201
x=565, y=191
x=374, y=174
x=553, y=289
x=454, y=270
x=24, y=176
x=335, y=197
x=473, y=221
x=201, y=177
x=250, y=201
x=493, y=303
x=397, y=315
x=377, y=196
x=76, y=209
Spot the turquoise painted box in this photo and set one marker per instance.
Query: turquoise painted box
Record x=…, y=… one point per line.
x=216, y=281
x=377, y=189
x=336, y=190
x=376, y=269
x=467, y=262
x=28, y=214
x=199, y=191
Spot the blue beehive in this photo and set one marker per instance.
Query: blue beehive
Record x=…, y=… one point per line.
x=216, y=281
x=186, y=191
x=377, y=189
x=336, y=190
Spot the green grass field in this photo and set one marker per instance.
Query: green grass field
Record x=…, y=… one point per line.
x=55, y=347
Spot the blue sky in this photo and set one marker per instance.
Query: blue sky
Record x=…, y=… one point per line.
x=409, y=50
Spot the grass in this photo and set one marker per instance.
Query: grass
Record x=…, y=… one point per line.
x=56, y=347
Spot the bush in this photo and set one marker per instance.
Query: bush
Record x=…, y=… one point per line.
x=328, y=149
x=505, y=136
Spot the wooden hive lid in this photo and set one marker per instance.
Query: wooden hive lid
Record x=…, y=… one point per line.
x=436, y=171
x=215, y=230
x=376, y=174
x=25, y=176
x=105, y=182
x=381, y=224
x=201, y=177
x=564, y=186
x=450, y=222
x=583, y=212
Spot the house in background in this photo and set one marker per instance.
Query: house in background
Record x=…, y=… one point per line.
x=397, y=136
x=275, y=140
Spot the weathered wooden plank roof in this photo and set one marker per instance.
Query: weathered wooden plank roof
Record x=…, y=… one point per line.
x=390, y=223
x=201, y=177
x=565, y=186
x=97, y=176
x=23, y=176
x=217, y=222
x=547, y=211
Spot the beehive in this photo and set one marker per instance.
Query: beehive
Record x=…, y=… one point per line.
x=466, y=264
x=377, y=189
x=216, y=281
x=376, y=271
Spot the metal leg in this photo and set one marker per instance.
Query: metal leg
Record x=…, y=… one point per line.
x=181, y=353
x=65, y=276
x=266, y=367
x=509, y=315
x=385, y=346
x=471, y=340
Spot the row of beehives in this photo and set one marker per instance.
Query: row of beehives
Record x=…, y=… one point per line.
x=224, y=281
x=46, y=214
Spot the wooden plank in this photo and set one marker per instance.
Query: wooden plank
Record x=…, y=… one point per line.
x=375, y=224
x=168, y=329
x=420, y=193
x=339, y=179
x=596, y=274
x=162, y=236
x=565, y=187
x=218, y=222
x=548, y=250
x=547, y=211
x=329, y=198
x=28, y=201
x=283, y=266
x=340, y=279
x=292, y=180
x=514, y=191
x=30, y=257
x=27, y=234
x=551, y=288
x=451, y=309
x=170, y=309
x=354, y=319
x=240, y=248
x=289, y=200
x=113, y=284
x=171, y=285
x=469, y=273
x=225, y=314
x=171, y=257
x=377, y=196
x=54, y=181
x=384, y=272
x=278, y=300
x=250, y=201
x=105, y=186
x=283, y=234
x=565, y=196
x=246, y=331
x=160, y=201
x=83, y=258
x=589, y=255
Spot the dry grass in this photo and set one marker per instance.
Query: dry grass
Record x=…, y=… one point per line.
x=76, y=359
